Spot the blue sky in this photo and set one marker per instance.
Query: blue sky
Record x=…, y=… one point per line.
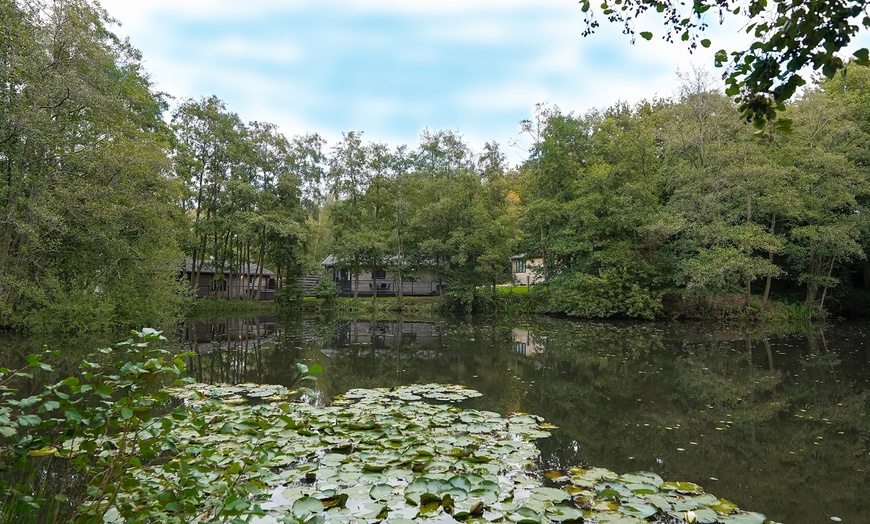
x=391, y=68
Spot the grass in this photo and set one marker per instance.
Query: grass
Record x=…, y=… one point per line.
x=512, y=290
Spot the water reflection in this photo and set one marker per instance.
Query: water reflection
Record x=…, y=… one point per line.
x=778, y=424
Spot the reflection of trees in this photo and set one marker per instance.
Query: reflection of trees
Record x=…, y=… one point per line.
x=616, y=390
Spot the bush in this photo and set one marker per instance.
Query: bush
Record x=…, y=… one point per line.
x=327, y=291
x=610, y=293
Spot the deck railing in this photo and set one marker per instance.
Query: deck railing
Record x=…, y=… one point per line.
x=389, y=288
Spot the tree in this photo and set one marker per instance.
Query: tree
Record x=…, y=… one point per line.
x=790, y=35
x=87, y=221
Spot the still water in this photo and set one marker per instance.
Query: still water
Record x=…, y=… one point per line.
x=778, y=424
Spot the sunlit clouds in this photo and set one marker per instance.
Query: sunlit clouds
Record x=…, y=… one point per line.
x=392, y=68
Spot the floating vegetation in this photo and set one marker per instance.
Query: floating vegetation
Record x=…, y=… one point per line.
x=385, y=455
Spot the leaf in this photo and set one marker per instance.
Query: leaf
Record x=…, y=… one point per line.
x=862, y=56
x=564, y=514
x=743, y=518
x=549, y=494
x=381, y=492
x=682, y=487
x=724, y=507
x=29, y=420
x=305, y=506
x=646, y=35
x=705, y=43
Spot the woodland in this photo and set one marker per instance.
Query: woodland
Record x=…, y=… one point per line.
x=666, y=207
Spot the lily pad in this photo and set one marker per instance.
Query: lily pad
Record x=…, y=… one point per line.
x=682, y=487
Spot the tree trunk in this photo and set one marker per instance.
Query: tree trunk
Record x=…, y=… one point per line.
x=769, y=279
x=812, y=285
x=825, y=289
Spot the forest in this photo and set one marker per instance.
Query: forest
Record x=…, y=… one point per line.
x=665, y=208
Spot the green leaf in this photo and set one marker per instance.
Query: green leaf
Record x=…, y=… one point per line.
x=29, y=420
x=682, y=487
x=305, y=506
x=862, y=56
x=50, y=405
x=705, y=43
x=646, y=35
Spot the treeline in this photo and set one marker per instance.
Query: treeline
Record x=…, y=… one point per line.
x=637, y=210
x=676, y=203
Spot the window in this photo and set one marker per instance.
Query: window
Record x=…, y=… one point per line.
x=519, y=266
x=380, y=273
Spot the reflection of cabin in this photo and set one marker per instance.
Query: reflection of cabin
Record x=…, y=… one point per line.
x=247, y=281
x=377, y=337
x=527, y=271
x=421, y=280
x=527, y=344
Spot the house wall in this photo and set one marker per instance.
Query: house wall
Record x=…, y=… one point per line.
x=236, y=286
x=423, y=282
x=533, y=273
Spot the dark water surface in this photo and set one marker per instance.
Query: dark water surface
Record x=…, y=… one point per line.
x=777, y=424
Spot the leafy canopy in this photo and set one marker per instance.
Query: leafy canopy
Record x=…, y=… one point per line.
x=789, y=35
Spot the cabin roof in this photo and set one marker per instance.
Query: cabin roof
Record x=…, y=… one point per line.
x=242, y=269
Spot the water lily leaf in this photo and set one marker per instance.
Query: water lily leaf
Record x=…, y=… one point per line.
x=618, y=518
x=381, y=492
x=305, y=506
x=621, y=489
x=549, y=494
x=642, y=489
x=564, y=514
x=639, y=510
x=723, y=507
x=705, y=515
x=641, y=477
x=681, y=505
x=682, y=487
x=372, y=478
x=589, y=477
x=556, y=476
x=468, y=508
x=606, y=505
x=525, y=515
x=370, y=511
x=488, y=496
x=744, y=517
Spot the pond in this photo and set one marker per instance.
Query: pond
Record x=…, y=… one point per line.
x=776, y=423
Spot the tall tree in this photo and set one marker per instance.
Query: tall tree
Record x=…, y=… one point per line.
x=88, y=228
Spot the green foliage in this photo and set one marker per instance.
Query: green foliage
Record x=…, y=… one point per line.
x=89, y=222
x=611, y=293
x=108, y=407
x=401, y=451
x=788, y=36
x=327, y=291
x=113, y=423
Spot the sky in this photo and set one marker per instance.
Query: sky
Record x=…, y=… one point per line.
x=392, y=68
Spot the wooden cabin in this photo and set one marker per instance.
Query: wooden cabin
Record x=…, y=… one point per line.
x=526, y=270
x=422, y=280
x=246, y=281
